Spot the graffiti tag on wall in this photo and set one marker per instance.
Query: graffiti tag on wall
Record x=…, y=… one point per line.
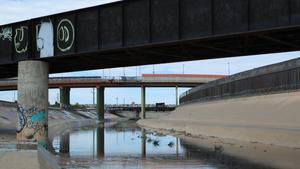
x=65, y=35
x=21, y=39
x=31, y=118
x=6, y=34
x=44, y=38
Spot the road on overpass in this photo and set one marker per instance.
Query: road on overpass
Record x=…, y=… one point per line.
x=140, y=32
x=147, y=80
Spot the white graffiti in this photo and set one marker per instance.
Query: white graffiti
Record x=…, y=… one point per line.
x=44, y=38
x=65, y=35
x=6, y=33
x=21, y=39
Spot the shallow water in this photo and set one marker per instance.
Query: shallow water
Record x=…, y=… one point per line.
x=127, y=146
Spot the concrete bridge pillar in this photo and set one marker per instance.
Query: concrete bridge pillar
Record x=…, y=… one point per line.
x=143, y=102
x=64, y=97
x=32, y=114
x=100, y=103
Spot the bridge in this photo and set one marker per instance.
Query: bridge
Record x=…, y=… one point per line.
x=137, y=32
x=140, y=32
x=147, y=80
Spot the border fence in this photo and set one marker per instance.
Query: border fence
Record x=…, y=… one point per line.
x=268, y=79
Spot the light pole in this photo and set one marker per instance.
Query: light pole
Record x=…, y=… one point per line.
x=136, y=71
x=140, y=70
x=153, y=69
x=228, y=68
x=93, y=91
x=14, y=99
x=57, y=97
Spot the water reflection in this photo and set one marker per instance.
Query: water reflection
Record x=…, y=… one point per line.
x=143, y=142
x=100, y=142
x=127, y=146
x=64, y=143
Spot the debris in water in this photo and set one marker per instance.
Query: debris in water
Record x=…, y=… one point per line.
x=171, y=144
x=156, y=143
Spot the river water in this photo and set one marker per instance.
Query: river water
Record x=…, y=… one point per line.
x=125, y=145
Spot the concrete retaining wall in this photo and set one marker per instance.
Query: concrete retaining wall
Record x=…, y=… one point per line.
x=7, y=104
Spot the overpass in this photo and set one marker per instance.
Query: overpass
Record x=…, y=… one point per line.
x=140, y=32
x=147, y=80
x=137, y=32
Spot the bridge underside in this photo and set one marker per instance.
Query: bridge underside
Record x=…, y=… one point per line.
x=280, y=40
x=141, y=32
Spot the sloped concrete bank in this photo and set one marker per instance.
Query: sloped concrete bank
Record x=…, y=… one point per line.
x=60, y=121
x=269, y=119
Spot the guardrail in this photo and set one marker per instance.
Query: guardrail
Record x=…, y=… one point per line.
x=123, y=78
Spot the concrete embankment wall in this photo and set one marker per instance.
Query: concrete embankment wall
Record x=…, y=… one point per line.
x=270, y=119
x=274, y=78
x=7, y=104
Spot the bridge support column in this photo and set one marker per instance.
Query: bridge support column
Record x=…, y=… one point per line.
x=177, y=101
x=64, y=97
x=143, y=102
x=100, y=103
x=32, y=114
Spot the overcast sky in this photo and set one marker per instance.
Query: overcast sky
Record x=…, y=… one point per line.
x=17, y=10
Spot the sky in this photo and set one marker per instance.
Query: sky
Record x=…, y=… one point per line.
x=18, y=10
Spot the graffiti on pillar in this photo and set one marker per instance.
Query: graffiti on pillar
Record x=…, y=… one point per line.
x=6, y=34
x=40, y=116
x=44, y=38
x=21, y=39
x=65, y=35
x=32, y=119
